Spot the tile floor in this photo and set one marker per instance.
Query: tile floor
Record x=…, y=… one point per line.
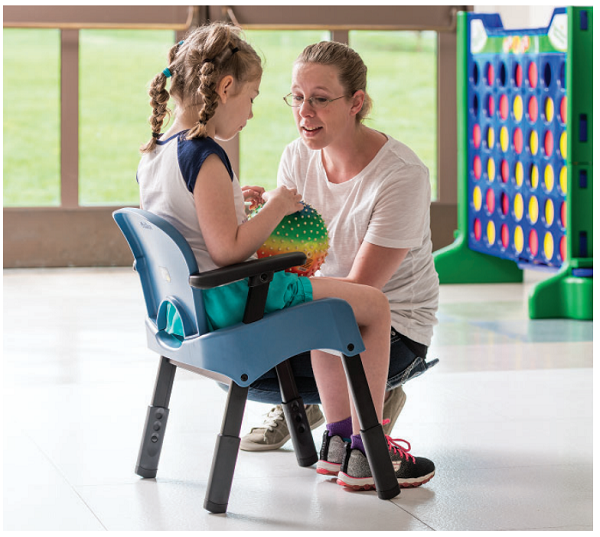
x=506, y=416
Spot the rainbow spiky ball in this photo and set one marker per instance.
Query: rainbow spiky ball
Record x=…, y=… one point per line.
x=304, y=231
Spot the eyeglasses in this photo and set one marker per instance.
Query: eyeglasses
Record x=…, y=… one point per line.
x=295, y=101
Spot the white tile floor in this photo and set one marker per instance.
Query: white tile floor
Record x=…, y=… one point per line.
x=506, y=416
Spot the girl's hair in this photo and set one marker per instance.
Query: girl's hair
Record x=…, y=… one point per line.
x=352, y=70
x=195, y=66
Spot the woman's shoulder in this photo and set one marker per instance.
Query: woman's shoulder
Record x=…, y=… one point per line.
x=400, y=151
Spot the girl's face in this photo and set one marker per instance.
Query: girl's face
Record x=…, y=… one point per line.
x=235, y=108
x=319, y=128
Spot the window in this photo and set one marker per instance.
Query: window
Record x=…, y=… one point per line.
x=31, y=167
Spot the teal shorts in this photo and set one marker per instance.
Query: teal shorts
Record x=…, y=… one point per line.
x=225, y=305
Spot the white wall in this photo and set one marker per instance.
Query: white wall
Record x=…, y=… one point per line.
x=517, y=17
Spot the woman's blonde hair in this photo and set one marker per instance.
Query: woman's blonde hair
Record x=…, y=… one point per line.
x=352, y=70
x=195, y=66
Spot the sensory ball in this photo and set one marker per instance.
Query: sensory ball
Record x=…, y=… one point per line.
x=304, y=231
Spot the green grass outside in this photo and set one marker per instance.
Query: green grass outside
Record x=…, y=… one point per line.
x=115, y=69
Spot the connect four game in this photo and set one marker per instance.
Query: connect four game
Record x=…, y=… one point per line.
x=525, y=159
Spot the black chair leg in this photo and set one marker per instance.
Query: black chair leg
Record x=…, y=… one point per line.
x=226, y=451
x=371, y=430
x=156, y=421
x=295, y=416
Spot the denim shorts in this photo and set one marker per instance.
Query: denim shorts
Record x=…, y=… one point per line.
x=404, y=365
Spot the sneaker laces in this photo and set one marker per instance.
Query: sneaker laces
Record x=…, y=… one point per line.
x=273, y=417
x=395, y=447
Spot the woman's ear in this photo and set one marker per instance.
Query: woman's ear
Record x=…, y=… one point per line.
x=358, y=100
x=225, y=88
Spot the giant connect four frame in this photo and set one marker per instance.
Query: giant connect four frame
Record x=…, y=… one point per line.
x=525, y=159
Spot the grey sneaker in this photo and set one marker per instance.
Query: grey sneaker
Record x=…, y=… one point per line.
x=274, y=432
x=410, y=471
x=392, y=408
x=333, y=449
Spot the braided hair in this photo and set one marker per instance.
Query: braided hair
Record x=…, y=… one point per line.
x=196, y=65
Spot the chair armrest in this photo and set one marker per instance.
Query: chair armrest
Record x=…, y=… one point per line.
x=247, y=269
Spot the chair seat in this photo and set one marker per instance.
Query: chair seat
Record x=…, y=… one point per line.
x=253, y=349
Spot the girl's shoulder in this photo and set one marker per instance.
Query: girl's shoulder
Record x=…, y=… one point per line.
x=191, y=154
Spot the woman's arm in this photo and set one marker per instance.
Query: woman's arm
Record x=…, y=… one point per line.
x=227, y=242
x=375, y=265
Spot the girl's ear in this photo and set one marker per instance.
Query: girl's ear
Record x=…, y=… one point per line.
x=358, y=100
x=225, y=88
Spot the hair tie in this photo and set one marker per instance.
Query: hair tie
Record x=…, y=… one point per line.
x=166, y=72
x=208, y=60
x=180, y=43
x=156, y=135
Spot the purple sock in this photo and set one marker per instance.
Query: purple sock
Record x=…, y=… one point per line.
x=342, y=428
x=357, y=443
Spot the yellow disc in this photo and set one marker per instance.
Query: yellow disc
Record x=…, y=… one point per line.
x=533, y=142
x=490, y=137
x=519, y=173
x=518, y=206
x=549, y=109
x=519, y=242
x=491, y=169
x=563, y=144
x=549, y=212
x=477, y=199
x=549, y=177
x=534, y=209
x=548, y=246
x=518, y=108
x=535, y=176
x=491, y=232
x=563, y=179
x=504, y=139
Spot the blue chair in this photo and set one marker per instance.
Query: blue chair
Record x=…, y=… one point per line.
x=176, y=329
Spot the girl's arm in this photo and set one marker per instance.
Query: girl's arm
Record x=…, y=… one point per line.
x=228, y=242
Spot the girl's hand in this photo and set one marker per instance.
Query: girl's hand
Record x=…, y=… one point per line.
x=287, y=198
x=253, y=195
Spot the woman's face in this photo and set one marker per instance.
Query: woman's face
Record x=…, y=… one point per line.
x=321, y=127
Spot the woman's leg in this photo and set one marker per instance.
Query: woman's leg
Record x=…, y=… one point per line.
x=372, y=312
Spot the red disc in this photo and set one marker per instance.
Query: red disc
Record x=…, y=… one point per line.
x=518, y=75
x=533, y=75
x=563, y=109
x=563, y=247
x=477, y=228
x=563, y=214
x=490, y=106
x=477, y=136
x=518, y=140
x=503, y=106
x=504, y=171
x=548, y=143
x=533, y=109
x=477, y=167
x=504, y=203
x=504, y=235
x=490, y=75
x=533, y=242
x=490, y=200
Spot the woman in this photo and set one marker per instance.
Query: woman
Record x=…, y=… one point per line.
x=374, y=195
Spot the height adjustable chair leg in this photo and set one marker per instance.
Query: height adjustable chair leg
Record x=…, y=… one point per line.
x=226, y=451
x=371, y=430
x=156, y=421
x=295, y=416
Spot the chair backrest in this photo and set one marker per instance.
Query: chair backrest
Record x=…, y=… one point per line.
x=164, y=262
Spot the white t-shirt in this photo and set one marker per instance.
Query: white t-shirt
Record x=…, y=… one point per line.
x=386, y=204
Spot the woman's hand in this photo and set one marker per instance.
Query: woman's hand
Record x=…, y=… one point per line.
x=254, y=195
x=287, y=199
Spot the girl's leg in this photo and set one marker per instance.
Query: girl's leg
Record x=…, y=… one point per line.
x=372, y=312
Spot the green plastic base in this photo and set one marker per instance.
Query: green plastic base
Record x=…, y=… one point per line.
x=562, y=296
x=457, y=263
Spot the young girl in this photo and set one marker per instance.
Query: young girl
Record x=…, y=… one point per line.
x=186, y=178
